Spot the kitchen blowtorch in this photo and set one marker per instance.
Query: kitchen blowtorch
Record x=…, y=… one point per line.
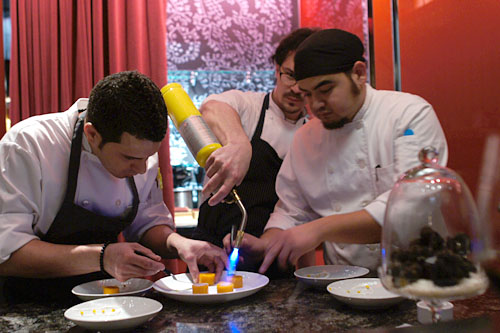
x=200, y=140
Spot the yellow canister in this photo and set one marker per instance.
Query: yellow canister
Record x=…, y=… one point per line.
x=179, y=104
x=188, y=120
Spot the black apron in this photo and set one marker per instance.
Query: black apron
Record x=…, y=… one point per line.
x=73, y=225
x=257, y=192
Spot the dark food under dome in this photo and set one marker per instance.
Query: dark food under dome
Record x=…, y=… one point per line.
x=431, y=257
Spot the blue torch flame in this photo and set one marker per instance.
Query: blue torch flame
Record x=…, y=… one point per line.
x=233, y=327
x=233, y=259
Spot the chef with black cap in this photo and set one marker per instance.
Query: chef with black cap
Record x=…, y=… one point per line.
x=334, y=183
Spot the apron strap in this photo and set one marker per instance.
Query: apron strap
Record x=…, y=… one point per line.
x=260, y=124
x=135, y=203
x=74, y=160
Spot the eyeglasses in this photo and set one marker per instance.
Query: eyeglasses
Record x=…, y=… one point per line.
x=287, y=79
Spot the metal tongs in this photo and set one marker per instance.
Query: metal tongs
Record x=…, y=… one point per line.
x=236, y=239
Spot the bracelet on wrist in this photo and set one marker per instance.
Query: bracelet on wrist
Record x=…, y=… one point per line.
x=101, y=256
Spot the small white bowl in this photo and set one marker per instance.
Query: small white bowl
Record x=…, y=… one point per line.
x=321, y=276
x=93, y=290
x=113, y=313
x=363, y=293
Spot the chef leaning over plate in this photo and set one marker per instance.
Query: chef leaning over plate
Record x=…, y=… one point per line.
x=71, y=181
x=334, y=183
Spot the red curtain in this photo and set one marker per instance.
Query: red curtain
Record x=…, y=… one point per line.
x=2, y=90
x=61, y=48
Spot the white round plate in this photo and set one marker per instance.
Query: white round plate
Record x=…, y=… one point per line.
x=93, y=289
x=321, y=276
x=181, y=290
x=363, y=293
x=113, y=313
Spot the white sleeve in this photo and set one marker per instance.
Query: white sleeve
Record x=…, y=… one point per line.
x=20, y=198
x=425, y=130
x=247, y=105
x=292, y=208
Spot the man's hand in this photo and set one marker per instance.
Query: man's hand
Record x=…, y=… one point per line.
x=226, y=167
x=195, y=252
x=289, y=245
x=122, y=261
x=250, y=247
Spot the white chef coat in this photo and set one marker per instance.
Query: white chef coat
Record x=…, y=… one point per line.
x=328, y=172
x=277, y=131
x=34, y=159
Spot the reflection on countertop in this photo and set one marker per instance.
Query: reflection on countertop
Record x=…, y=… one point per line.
x=282, y=306
x=186, y=217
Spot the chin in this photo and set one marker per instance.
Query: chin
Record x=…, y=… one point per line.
x=335, y=124
x=120, y=175
x=292, y=109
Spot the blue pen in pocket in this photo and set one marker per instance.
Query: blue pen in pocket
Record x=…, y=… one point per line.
x=408, y=131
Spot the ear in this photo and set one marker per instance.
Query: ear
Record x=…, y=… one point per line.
x=93, y=136
x=359, y=73
x=277, y=71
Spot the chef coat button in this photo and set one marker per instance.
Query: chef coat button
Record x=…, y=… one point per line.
x=337, y=207
x=361, y=163
x=364, y=203
x=118, y=202
x=359, y=125
x=85, y=202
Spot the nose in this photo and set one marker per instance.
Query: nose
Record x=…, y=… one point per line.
x=296, y=90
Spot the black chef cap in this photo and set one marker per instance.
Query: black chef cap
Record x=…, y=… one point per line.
x=327, y=51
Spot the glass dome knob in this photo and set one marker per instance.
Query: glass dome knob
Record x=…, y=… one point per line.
x=428, y=155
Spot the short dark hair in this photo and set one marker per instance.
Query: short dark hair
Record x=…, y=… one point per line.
x=127, y=102
x=290, y=43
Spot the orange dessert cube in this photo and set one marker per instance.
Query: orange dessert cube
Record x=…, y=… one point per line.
x=110, y=290
x=207, y=278
x=225, y=287
x=236, y=280
x=200, y=288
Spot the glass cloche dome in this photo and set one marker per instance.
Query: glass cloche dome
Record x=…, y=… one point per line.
x=431, y=237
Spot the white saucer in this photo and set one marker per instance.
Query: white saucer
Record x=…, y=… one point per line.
x=93, y=289
x=113, y=313
x=321, y=276
x=180, y=288
x=363, y=293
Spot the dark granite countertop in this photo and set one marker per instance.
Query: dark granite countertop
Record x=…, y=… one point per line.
x=282, y=306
